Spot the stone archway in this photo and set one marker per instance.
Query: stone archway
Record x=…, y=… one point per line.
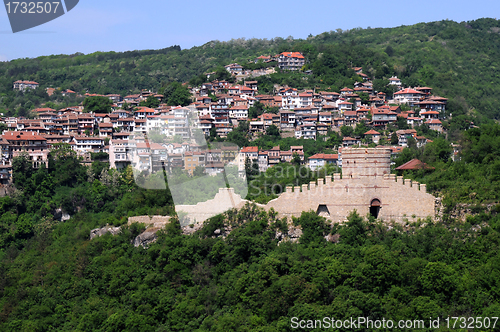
x=323, y=211
x=375, y=206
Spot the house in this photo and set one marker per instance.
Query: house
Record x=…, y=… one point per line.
x=234, y=68
x=319, y=160
x=88, y=144
x=349, y=141
x=213, y=169
x=305, y=99
x=424, y=90
x=23, y=85
x=408, y=96
x=193, y=160
x=395, y=81
x=287, y=119
x=382, y=116
x=374, y=135
x=413, y=165
x=429, y=115
x=31, y=143
x=306, y=131
x=291, y=61
x=238, y=112
x=325, y=117
x=345, y=106
x=431, y=105
x=404, y=135
x=435, y=124
x=250, y=152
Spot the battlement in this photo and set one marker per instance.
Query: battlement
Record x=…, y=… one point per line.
x=355, y=180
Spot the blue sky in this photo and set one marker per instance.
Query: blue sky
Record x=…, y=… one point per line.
x=124, y=25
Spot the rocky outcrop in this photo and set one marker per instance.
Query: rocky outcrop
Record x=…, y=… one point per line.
x=153, y=225
x=60, y=215
x=104, y=230
x=292, y=235
x=147, y=237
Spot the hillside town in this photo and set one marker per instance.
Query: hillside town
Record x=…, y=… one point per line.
x=126, y=134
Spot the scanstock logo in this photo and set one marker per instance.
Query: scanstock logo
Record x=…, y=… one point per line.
x=25, y=15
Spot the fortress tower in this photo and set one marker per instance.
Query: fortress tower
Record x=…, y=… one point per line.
x=366, y=162
x=366, y=186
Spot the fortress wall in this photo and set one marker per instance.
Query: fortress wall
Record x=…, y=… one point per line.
x=334, y=198
x=224, y=200
x=399, y=200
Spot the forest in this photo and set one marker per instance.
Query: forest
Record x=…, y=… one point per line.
x=242, y=271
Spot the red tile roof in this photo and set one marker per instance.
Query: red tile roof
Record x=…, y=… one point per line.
x=325, y=156
x=414, y=164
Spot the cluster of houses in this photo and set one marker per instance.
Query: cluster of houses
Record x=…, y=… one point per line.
x=219, y=106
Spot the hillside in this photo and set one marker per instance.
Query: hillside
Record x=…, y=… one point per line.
x=249, y=270
x=460, y=60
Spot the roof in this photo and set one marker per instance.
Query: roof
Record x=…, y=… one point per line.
x=250, y=149
x=297, y=55
x=407, y=91
x=23, y=136
x=325, y=156
x=414, y=164
x=372, y=132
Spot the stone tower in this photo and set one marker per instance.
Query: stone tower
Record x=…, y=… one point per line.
x=371, y=162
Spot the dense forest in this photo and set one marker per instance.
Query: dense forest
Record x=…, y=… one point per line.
x=445, y=55
x=241, y=271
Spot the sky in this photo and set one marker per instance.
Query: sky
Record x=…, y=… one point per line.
x=127, y=25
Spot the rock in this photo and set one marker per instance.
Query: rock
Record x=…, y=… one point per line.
x=147, y=237
x=104, y=230
x=190, y=229
x=60, y=215
x=333, y=238
x=294, y=232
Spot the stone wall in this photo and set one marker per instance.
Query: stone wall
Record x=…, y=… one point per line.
x=399, y=199
x=365, y=180
x=366, y=162
x=224, y=200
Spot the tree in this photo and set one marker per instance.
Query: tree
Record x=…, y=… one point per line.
x=199, y=171
x=394, y=139
x=256, y=110
x=97, y=104
x=365, y=98
x=296, y=160
x=151, y=102
x=438, y=150
x=346, y=131
x=251, y=168
x=402, y=123
x=175, y=94
x=22, y=169
x=273, y=131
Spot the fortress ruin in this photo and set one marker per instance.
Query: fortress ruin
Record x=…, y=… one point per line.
x=366, y=185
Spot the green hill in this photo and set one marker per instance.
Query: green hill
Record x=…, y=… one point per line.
x=459, y=60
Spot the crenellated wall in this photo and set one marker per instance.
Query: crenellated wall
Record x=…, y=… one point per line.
x=399, y=199
x=365, y=178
